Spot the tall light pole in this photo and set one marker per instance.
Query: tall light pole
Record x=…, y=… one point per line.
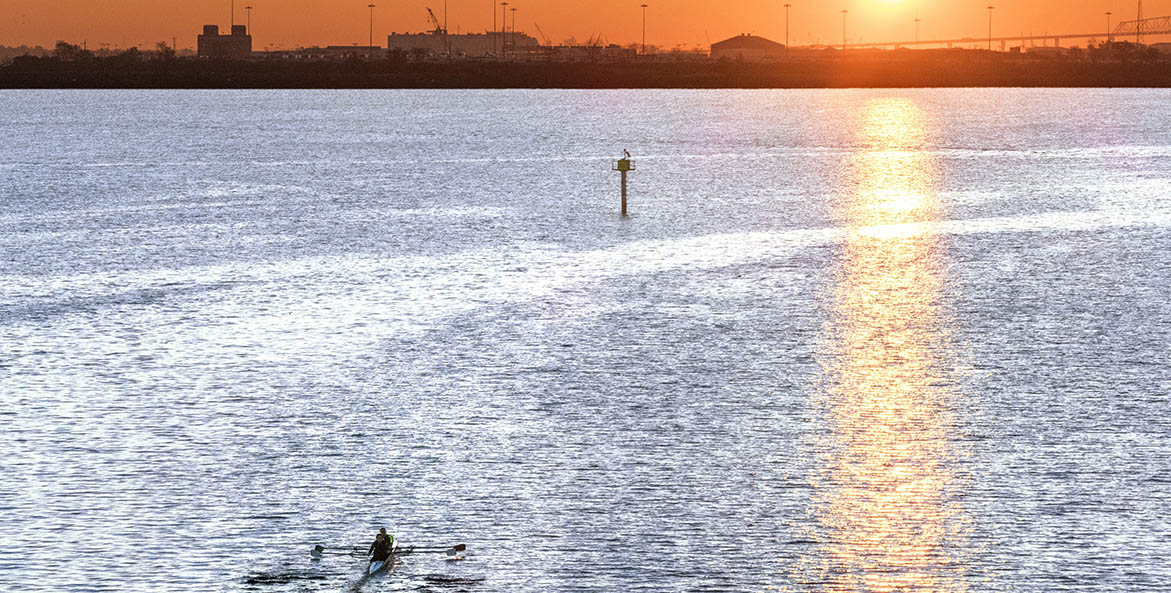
x=371, y=7
x=1138, y=25
x=916, y=26
x=493, y=26
x=990, y=8
x=249, y=9
x=233, y=13
x=1109, y=34
x=503, y=27
x=643, y=28
x=513, y=36
x=787, y=6
x=844, y=13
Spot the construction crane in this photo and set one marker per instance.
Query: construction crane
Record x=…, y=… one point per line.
x=542, y=34
x=439, y=30
x=435, y=21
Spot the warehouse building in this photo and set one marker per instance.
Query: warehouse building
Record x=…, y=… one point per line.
x=747, y=48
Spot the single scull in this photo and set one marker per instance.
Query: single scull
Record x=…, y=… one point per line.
x=377, y=566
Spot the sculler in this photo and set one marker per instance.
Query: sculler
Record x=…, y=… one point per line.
x=382, y=546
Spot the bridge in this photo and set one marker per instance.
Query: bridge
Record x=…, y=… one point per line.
x=1137, y=29
x=1156, y=26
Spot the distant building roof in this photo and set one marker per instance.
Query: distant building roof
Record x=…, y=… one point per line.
x=747, y=41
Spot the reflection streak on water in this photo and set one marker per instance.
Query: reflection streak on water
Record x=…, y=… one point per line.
x=884, y=514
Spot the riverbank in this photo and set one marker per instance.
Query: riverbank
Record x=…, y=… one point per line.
x=873, y=70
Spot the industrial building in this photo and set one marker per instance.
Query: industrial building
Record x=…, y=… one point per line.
x=747, y=48
x=438, y=42
x=1048, y=51
x=591, y=53
x=211, y=44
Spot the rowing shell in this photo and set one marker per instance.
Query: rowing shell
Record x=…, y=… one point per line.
x=378, y=566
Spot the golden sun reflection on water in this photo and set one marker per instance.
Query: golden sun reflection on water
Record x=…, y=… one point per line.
x=886, y=512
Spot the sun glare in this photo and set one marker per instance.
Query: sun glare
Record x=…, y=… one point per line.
x=888, y=521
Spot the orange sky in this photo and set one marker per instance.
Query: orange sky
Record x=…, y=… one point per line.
x=292, y=23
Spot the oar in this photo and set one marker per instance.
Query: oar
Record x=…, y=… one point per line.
x=449, y=550
x=458, y=547
x=319, y=549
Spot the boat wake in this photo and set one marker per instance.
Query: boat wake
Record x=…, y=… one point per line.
x=438, y=579
x=282, y=578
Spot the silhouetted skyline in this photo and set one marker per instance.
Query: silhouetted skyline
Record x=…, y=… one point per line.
x=686, y=23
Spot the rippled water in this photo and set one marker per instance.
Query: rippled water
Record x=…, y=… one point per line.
x=847, y=341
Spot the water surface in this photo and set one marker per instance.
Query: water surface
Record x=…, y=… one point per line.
x=859, y=340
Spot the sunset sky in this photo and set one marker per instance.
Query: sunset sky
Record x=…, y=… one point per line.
x=292, y=23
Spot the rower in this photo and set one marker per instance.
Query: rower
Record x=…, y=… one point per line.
x=380, y=549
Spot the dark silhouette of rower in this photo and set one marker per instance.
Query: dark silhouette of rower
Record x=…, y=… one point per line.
x=381, y=546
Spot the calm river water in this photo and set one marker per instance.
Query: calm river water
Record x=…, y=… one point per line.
x=858, y=341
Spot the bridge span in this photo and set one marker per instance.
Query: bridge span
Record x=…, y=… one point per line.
x=1125, y=30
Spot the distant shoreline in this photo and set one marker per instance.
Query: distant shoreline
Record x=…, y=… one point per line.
x=877, y=70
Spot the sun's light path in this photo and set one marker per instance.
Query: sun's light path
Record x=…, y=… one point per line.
x=886, y=507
